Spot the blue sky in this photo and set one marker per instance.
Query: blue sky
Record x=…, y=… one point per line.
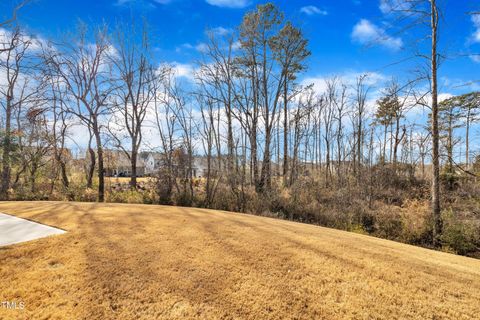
x=347, y=37
x=340, y=32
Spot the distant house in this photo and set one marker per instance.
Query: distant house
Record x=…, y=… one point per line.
x=200, y=166
x=117, y=164
x=155, y=160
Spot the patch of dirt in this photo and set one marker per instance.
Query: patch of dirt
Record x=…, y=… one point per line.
x=54, y=264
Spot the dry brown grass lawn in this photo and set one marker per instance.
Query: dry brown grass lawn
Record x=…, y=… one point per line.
x=127, y=179
x=154, y=262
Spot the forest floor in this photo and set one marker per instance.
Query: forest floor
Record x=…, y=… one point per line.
x=120, y=261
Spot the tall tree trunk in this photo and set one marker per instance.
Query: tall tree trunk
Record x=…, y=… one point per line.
x=296, y=142
x=396, y=141
x=91, y=168
x=467, y=139
x=6, y=170
x=339, y=149
x=265, y=179
x=92, y=162
x=285, y=133
x=33, y=173
x=438, y=226
x=63, y=169
x=133, y=162
x=327, y=160
x=390, y=157
x=253, y=146
x=208, y=192
x=450, y=143
x=101, y=173
x=253, y=133
x=359, y=144
x=354, y=152
x=231, y=166
x=385, y=143
x=423, y=167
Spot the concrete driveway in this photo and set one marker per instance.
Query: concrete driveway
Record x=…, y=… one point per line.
x=16, y=230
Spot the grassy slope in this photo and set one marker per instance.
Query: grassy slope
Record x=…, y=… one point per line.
x=147, y=262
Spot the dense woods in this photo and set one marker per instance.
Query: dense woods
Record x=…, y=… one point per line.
x=340, y=156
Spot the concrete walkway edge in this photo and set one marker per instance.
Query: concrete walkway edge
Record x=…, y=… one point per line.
x=16, y=230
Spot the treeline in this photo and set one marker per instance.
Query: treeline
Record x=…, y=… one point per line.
x=273, y=145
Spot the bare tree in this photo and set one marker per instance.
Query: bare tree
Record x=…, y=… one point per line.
x=416, y=14
x=216, y=78
x=176, y=127
x=56, y=96
x=361, y=91
x=38, y=143
x=13, y=95
x=422, y=140
x=330, y=101
x=291, y=48
x=300, y=123
x=256, y=32
x=463, y=108
x=391, y=111
x=434, y=18
x=132, y=97
x=273, y=52
x=208, y=133
x=341, y=105
x=166, y=123
x=84, y=69
x=14, y=15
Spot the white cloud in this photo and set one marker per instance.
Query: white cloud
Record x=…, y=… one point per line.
x=229, y=3
x=201, y=47
x=374, y=80
x=385, y=6
x=349, y=78
x=389, y=6
x=444, y=96
x=187, y=46
x=475, y=58
x=144, y=3
x=475, y=37
x=236, y=45
x=313, y=10
x=367, y=33
x=34, y=43
x=184, y=70
x=122, y=2
x=418, y=110
x=219, y=31
x=77, y=137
